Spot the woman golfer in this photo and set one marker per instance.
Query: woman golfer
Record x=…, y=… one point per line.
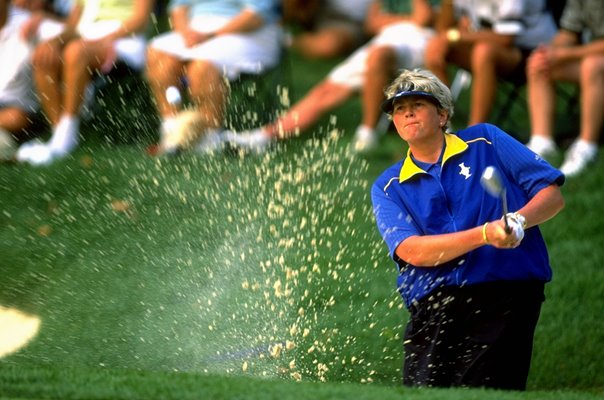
x=474, y=290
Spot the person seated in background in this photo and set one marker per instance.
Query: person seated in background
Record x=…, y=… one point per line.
x=97, y=35
x=18, y=102
x=400, y=38
x=331, y=28
x=211, y=40
x=41, y=12
x=489, y=38
x=567, y=59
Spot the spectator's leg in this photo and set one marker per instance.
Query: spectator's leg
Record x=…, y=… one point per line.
x=82, y=60
x=163, y=70
x=584, y=150
x=541, y=91
x=48, y=77
x=208, y=91
x=381, y=66
x=15, y=121
x=322, y=98
x=592, y=98
x=437, y=50
x=541, y=99
x=488, y=62
x=326, y=43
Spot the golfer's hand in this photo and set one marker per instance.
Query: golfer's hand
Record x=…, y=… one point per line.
x=516, y=226
x=498, y=237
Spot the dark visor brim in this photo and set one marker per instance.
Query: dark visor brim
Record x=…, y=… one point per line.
x=388, y=104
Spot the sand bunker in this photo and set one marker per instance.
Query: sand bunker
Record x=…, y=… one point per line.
x=16, y=330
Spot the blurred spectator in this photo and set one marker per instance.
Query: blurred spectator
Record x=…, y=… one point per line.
x=18, y=102
x=42, y=11
x=399, y=42
x=330, y=28
x=212, y=41
x=97, y=35
x=489, y=38
x=566, y=58
x=300, y=13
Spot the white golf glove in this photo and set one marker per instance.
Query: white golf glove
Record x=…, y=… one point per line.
x=517, y=223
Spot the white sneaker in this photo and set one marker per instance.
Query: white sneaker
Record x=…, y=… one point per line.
x=256, y=140
x=542, y=146
x=365, y=139
x=210, y=142
x=35, y=153
x=578, y=157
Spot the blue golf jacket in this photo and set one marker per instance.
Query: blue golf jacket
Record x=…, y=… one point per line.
x=413, y=198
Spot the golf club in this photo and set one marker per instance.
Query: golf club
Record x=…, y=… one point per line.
x=491, y=182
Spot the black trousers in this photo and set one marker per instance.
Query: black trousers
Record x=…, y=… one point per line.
x=473, y=336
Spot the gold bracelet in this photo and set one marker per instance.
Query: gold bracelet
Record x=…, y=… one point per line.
x=484, y=233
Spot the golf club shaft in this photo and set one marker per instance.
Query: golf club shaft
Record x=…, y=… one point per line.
x=505, y=212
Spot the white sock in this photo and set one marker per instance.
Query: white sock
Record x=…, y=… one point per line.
x=168, y=125
x=541, y=139
x=589, y=147
x=211, y=140
x=260, y=136
x=65, y=135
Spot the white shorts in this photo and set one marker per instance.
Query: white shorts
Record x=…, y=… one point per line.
x=234, y=53
x=131, y=49
x=16, y=82
x=408, y=41
x=16, y=87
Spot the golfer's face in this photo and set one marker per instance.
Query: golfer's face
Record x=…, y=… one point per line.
x=417, y=118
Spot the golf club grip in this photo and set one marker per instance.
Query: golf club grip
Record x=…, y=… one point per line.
x=507, y=228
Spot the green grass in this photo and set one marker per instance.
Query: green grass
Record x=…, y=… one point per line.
x=89, y=383
x=181, y=278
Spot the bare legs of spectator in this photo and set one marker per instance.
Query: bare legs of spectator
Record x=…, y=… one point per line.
x=326, y=43
x=61, y=80
x=486, y=61
x=207, y=91
x=13, y=122
x=324, y=97
x=439, y=52
x=489, y=61
x=541, y=93
x=381, y=67
x=589, y=74
x=163, y=71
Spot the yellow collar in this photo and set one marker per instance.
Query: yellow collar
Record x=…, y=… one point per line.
x=453, y=145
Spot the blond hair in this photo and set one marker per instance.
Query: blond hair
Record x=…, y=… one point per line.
x=423, y=81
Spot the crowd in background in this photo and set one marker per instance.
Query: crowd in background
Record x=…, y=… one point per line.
x=52, y=51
